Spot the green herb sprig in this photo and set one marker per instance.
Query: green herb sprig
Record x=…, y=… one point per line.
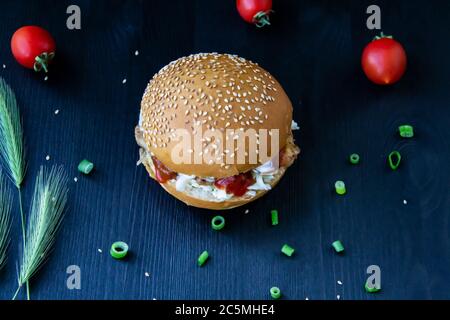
x=5, y=219
x=12, y=150
x=46, y=213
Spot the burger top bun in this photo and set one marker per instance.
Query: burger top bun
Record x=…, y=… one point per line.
x=213, y=92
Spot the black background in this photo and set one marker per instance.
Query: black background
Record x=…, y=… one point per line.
x=313, y=48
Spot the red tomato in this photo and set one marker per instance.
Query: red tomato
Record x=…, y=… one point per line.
x=33, y=47
x=384, y=60
x=255, y=11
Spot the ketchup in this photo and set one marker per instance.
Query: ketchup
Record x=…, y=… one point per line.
x=237, y=185
x=162, y=173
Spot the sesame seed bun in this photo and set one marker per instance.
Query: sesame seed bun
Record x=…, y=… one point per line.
x=211, y=92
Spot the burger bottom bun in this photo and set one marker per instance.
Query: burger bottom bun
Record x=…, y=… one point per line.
x=213, y=205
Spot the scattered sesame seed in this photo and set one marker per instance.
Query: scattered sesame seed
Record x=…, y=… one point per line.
x=56, y=111
x=124, y=81
x=247, y=211
x=4, y=66
x=75, y=179
x=100, y=250
x=45, y=78
x=306, y=298
x=136, y=53
x=147, y=274
x=338, y=297
x=339, y=282
x=405, y=202
x=47, y=157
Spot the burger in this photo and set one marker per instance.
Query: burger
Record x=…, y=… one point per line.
x=215, y=130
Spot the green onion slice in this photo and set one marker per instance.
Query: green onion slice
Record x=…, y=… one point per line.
x=287, y=250
x=394, y=159
x=275, y=292
x=338, y=246
x=406, y=131
x=354, y=158
x=119, y=250
x=340, y=187
x=274, y=214
x=218, y=222
x=202, y=258
x=371, y=289
x=85, y=166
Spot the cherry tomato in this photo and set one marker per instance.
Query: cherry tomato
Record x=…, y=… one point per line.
x=255, y=11
x=33, y=47
x=384, y=60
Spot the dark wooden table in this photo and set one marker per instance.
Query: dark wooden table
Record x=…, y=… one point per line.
x=313, y=48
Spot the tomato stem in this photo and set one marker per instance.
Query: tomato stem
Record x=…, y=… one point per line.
x=261, y=19
x=381, y=36
x=42, y=61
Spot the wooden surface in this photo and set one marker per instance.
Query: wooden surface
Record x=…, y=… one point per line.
x=313, y=48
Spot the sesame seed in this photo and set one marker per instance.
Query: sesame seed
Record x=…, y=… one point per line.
x=136, y=53
x=75, y=179
x=47, y=157
x=147, y=274
x=100, y=250
x=124, y=81
x=56, y=111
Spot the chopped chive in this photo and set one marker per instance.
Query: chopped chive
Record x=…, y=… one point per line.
x=372, y=289
x=354, y=158
x=340, y=187
x=119, y=250
x=338, y=247
x=218, y=222
x=275, y=292
x=202, y=258
x=394, y=159
x=274, y=214
x=85, y=166
x=287, y=250
x=406, y=131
